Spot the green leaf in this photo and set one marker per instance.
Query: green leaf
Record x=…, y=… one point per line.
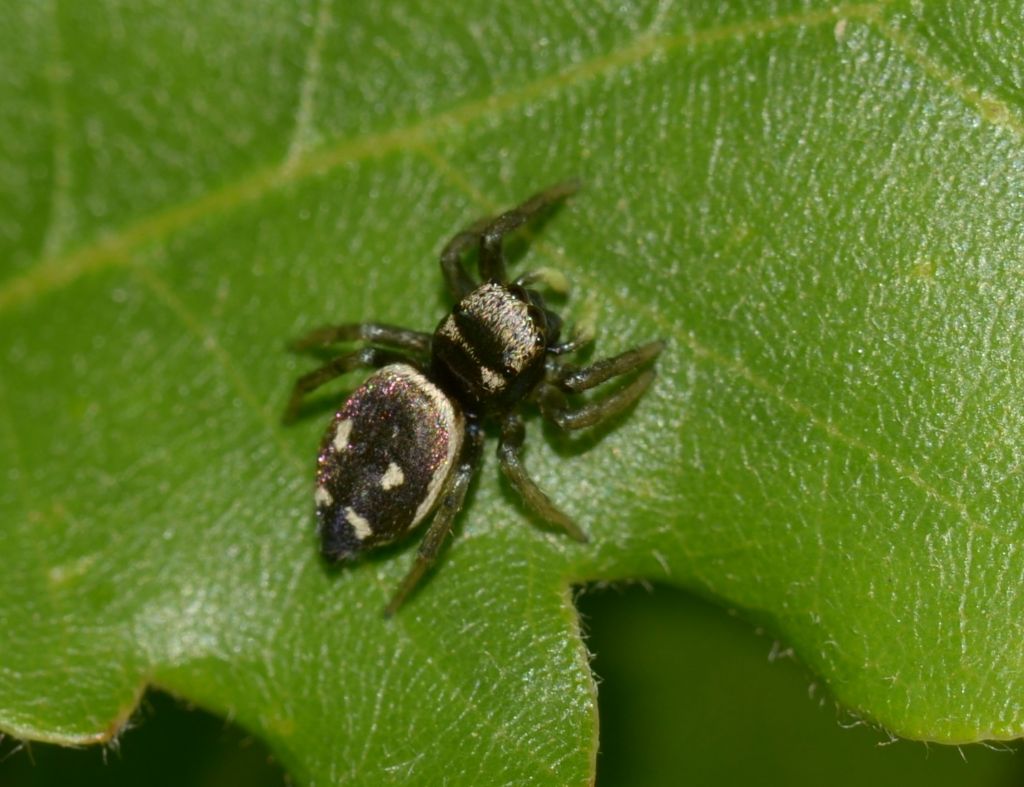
x=818, y=207
x=743, y=714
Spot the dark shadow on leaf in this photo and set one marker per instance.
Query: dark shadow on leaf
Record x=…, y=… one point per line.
x=166, y=744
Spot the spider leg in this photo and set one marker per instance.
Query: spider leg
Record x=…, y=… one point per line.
x=492, y=260
x=576, y=379
x=512, y=436
x=583, y=333
x=368, y=357
x=372, y=332
x=550, y=395
x=452, y=498
x=580, y=338
x=459, y=282
x=552, y=278
x=555, y=408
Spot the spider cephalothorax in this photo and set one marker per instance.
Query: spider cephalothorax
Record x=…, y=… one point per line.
x=492, y=346
x=409, y=439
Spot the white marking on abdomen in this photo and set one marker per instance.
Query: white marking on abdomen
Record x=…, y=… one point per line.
x=452, y=424
x=322, y=497
x=359, y=524
x=392, y=477
x=341, y=436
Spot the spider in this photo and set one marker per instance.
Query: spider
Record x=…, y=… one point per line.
x=407, y=442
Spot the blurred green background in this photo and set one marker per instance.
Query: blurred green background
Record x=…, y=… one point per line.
x=689, y=695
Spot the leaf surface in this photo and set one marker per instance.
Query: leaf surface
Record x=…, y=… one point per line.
x=818, y=207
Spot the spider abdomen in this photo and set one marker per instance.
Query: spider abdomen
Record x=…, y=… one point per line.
x=384, y=460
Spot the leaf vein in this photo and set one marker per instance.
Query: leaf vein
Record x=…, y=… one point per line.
x=163, y=292
x=61, y=208
x=501, y=727
x=303, y=135
x=117, y=247
x=988, y=107
x=732, y=365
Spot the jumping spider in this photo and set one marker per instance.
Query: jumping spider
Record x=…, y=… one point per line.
x=409, y=439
